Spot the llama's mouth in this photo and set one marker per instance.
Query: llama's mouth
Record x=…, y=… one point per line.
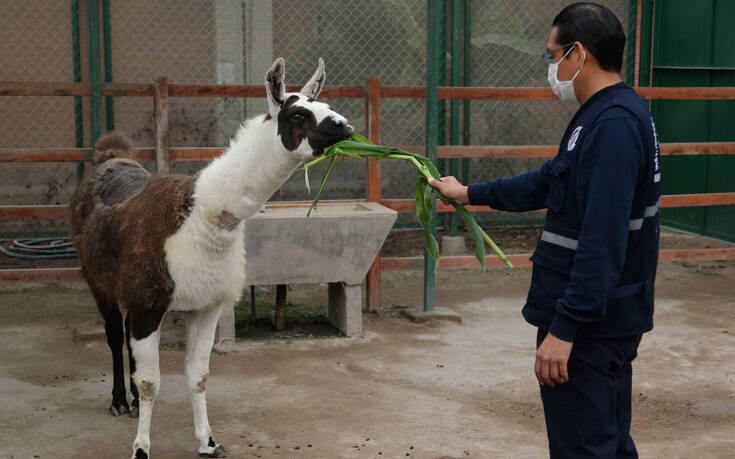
x=320, y=140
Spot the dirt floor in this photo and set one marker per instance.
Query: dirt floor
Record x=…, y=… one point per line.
x=404, y=390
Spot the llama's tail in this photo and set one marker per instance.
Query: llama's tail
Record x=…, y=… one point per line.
x=113, y=145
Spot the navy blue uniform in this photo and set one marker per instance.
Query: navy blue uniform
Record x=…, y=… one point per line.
x=595, y=263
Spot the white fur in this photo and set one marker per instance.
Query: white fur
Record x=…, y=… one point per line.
x=147, y=376
x=206, y=260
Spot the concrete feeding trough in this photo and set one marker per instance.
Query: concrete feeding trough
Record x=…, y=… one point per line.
x=335, y=245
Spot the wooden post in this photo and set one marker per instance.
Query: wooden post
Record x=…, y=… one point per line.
x=372, y=117
x=160, y=97
x=281, y=306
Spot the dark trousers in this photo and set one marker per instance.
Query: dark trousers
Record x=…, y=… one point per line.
x=589, y=416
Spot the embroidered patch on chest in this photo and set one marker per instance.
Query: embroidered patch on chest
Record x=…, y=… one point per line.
x=573, y=138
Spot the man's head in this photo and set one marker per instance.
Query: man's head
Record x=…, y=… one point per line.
x=586, y=38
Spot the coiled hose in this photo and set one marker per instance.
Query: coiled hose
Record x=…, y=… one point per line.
x=35, y=249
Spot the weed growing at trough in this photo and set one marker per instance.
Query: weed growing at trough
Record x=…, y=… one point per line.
x=361, y=148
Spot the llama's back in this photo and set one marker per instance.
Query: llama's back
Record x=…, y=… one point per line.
x=117, y=178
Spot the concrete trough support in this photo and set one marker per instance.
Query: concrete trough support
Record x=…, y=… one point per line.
x=345, y=308
x=336, y=246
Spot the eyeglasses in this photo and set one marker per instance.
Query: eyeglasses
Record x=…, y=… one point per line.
x=547, y=56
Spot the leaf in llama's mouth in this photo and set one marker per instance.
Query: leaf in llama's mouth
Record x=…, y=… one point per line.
x=359, y=147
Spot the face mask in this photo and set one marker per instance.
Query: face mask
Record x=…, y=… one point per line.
x=564, y=90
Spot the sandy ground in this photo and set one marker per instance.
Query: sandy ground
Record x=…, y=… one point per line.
x=404, y=390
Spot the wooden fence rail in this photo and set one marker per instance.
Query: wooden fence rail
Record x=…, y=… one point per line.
x=373, y=93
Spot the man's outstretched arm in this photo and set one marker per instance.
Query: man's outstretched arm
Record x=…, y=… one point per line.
x=521, y=193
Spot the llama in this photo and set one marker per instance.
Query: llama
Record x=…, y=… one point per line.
x=152, y=244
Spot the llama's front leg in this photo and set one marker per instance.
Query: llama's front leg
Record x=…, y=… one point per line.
x=147, y=378
x=200, y=337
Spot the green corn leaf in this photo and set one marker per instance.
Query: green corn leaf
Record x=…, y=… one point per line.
x=432, y=247
x=361, y=148
x=306, y=179
x=323, y=184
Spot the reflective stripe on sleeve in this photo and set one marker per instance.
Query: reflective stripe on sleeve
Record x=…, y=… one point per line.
x=650, y=211
x=558, y=239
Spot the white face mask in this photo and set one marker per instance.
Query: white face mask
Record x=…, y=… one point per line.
x=564, y=90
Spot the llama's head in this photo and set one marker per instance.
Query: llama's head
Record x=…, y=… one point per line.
x=305, y=126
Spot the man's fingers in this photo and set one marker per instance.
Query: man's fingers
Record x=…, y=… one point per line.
x=563, y=371
x=545, y=373
x=537, y=369
x=554, y=373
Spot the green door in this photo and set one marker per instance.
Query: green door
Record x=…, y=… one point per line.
x=694, y=45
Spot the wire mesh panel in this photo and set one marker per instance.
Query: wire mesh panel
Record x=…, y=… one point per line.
x=235, y=41
x=36, y=46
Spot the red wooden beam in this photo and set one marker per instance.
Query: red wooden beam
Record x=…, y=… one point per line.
x=21, y=213
x=696, y=255
x=221, y=90
x=41, y=275
x=675, y=200
x=697, y=200
x=523, y=260
x=544, y=93
x=17, y=88
x=40, y=155
x=443, y=151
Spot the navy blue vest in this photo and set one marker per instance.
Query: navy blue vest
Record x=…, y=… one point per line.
x=630, y=308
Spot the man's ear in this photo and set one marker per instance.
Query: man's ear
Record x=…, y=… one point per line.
x=275, y=86
x=315, y=84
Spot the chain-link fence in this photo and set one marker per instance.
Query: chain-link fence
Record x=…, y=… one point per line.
x=234, y=42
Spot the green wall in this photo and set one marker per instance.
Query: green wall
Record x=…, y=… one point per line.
x=694, y=45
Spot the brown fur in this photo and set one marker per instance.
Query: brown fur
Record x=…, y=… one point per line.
x=113, y=145
x=120, y=224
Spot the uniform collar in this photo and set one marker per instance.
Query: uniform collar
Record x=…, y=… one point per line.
x=596, y=96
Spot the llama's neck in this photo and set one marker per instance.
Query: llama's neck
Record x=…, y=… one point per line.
x=240, y=181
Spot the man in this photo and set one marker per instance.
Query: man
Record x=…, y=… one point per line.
x=591, y=293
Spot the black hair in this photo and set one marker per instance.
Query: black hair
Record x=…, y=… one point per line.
x=597, y=28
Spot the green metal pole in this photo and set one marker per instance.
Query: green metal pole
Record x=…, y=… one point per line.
x=441, y=126
x=106, y=40
x=77, y=71
x=454, y=129
x=95, y=100
x=466, y=82
x=433, y=38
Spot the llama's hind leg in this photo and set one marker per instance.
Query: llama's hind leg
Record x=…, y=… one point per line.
x=131, y=361
x=147, y=376
x=201, y=326
x=114, y=332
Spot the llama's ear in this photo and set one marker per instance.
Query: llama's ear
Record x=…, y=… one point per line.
x=315, y=84
x=275, y=86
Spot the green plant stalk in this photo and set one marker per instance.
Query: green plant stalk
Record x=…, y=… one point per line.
x=361, y=148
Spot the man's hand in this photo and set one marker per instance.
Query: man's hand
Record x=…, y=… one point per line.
x=551, y=361
x=451, y=188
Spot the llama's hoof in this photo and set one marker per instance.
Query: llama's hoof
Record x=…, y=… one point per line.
x=219, y=451
x=116, y=409
x=134, y=412
x=140, y=454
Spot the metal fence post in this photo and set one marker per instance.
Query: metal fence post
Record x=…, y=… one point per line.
x=107, y=46
x=372, y=124
x=433, y=29
x=466, y=82
x=160, y=98
x=454, y=129
x=77, y=73
x=93, y=42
